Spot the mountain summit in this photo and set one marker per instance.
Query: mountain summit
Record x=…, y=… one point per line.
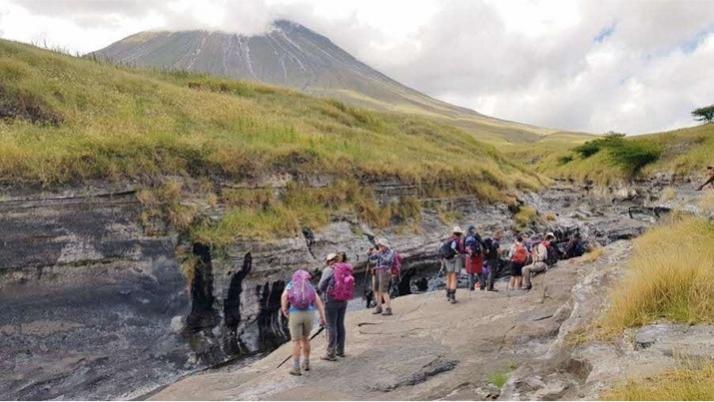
x=291, y=55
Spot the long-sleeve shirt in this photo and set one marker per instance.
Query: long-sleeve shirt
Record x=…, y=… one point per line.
x=383, y=259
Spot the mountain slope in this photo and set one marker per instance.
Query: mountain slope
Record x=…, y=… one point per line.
x=294, y=56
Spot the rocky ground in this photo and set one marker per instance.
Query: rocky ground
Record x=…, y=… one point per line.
x=428, y=350
x=96, y=308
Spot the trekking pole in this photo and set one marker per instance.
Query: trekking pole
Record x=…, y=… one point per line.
x=311, y=338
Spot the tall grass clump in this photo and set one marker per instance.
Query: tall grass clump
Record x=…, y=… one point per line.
x=681, y=384
x=669, y=277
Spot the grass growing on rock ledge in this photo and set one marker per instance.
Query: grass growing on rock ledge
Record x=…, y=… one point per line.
x=670, y=277
x=681, y=384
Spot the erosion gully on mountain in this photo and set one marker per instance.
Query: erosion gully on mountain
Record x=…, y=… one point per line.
x=95, y=308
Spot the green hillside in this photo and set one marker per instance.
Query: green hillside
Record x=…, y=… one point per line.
x=293, y=56
x=69, y=120
x=606, y=160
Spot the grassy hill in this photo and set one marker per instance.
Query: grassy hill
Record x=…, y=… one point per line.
x=291, y=55
x=68, y=120
x=607, y=160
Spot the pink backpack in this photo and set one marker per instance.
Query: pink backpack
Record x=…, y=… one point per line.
x=343, y=287
x=301, y=294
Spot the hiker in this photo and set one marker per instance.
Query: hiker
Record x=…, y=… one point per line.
x=452, y=255
x=710, y=180
x=518, y=256
x=492, y=254
x=298, y=303
x=540, y=255
x=383, y=259
x=337, y=288
x=575, y=247
x=474, y=258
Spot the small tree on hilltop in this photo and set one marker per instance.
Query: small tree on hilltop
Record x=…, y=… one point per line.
x=704, y=113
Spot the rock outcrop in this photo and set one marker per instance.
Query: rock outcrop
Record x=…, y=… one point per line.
x=87, y=299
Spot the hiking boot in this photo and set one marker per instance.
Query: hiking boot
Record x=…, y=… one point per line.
x=387, y=311
x=306, y=366
x=492, y=290
x=341, y=355
x=527, y=288
x=295, y=371
x=329, y=358
x=378, y=310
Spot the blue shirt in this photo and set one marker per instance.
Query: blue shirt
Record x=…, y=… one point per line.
x=295, y=309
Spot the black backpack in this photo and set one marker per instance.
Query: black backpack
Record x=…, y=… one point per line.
x=446, y=251
x=491, y=249
x=473, y=242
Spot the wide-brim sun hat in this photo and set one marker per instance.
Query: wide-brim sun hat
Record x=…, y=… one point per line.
x=457, y=229
x=330, y=257
x=383, y=242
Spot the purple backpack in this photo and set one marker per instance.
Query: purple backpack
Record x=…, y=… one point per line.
x=343, y=285
x=301, y=294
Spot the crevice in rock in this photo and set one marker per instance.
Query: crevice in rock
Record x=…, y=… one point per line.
x=203, y=315
x=231, y=308
x=272, y=328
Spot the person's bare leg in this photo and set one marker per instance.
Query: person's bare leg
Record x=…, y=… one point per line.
x=519, y=282
x=296, y=349
x=512, y=283
x=306, y=348
x=387, y=300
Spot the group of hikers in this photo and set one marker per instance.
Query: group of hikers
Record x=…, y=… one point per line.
x=481, y=258
x=335, y=289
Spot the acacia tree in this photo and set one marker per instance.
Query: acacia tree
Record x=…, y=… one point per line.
x=704, y=113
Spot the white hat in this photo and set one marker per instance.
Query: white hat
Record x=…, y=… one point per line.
x=457, y=229
x=330, y=257
x=550, y=234
x=382, y=242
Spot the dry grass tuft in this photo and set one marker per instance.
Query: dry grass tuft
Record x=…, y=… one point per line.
x=668, y=194
x=706, y=203
x=592, y=256
x=682, y=384
x=670, y=276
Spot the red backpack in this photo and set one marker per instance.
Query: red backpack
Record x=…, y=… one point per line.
x=520, y=255
x=396, y=265
x=343, y=285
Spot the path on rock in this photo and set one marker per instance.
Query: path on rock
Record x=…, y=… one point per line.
x=428, y=350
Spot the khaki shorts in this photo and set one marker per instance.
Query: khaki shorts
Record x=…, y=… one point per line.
x=300, y=324
x=381, y=280
x=454, y=265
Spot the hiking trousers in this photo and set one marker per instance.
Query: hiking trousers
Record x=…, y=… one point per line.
x=535, y=268
x=335, y=321
x=493, y=265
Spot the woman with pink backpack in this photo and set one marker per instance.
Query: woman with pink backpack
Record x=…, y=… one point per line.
x=337, y=286
x=298, y=303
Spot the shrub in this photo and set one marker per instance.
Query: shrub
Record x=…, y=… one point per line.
x=565, y=159
x=632, y=156
x=588, y=149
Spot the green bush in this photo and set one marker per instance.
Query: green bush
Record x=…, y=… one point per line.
x=564, y=160
x=588, y=149
x=632, y=156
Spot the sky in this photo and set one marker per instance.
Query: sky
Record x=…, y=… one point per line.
x=594, y=66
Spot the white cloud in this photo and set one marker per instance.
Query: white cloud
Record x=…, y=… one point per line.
x=594, y=65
